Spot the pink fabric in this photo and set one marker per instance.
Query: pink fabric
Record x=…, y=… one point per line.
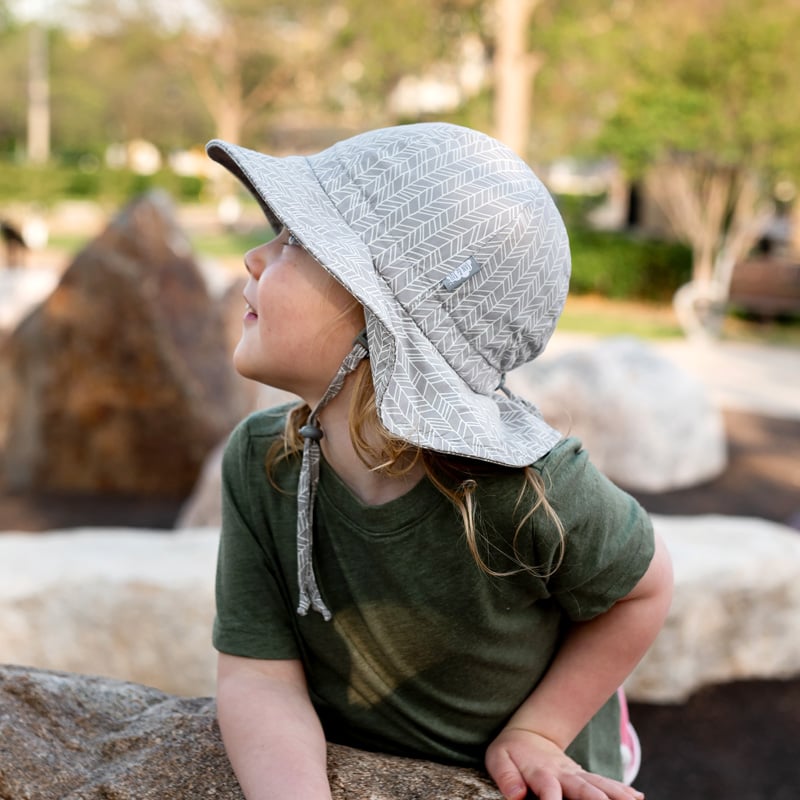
x=629, y=741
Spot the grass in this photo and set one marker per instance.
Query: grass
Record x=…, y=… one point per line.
x=603, y=317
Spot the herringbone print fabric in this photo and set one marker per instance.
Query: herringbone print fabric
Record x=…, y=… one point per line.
x=310, y=596
x=460, y=259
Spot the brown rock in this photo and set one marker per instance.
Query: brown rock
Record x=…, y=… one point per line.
x=123, y=377
x=73, y=737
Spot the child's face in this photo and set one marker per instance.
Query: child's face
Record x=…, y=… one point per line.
x=299, y=323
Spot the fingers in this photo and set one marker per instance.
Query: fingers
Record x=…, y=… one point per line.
x=572, y=786
x=578, y=785
x=518, y=760
x=614, y=790
x=510, y=782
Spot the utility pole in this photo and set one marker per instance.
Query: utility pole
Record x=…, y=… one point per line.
x=38, y=95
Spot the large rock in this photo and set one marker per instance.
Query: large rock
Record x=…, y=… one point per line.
x=646, y=423
x=138, y=606
x=129, y=604
x=122, y=376
x=736, y=609
x=73, y=737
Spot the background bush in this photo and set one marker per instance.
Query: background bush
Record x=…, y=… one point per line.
x=618, y=266
x=50, y=184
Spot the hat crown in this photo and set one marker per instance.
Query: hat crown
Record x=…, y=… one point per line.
x=463, y=235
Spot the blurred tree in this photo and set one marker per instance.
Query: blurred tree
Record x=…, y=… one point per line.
x=556, y=65
x=515, y=67
x=13, y=87
x=313, y=63
x=38, y=117
x=381, y=44
x=712, y=116
x=240, y=59
x=110, y=84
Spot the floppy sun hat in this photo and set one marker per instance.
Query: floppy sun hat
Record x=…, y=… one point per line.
x=460, y=259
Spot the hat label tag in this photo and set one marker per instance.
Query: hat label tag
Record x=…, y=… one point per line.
x=461, y=273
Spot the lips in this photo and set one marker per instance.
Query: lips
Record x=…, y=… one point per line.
x=249, y=311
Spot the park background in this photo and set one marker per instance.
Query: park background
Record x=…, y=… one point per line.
x=668, y=132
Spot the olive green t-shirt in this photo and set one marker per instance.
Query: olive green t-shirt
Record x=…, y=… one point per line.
x=426, y=655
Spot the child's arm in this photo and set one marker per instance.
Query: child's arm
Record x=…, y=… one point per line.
x=591, y=664
x=271, y=732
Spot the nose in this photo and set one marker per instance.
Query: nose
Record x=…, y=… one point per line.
x=255, y=259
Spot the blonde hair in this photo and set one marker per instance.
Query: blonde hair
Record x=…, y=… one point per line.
x=455, y=477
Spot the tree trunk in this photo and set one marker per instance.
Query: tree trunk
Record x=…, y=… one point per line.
x=514, y=71
x=38, y=96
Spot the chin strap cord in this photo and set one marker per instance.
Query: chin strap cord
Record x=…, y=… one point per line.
x=311, y=432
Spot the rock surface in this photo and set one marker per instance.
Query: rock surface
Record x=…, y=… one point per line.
x=138, y=606
x=125, y=366
x=646, y=423
x=129, y=604
x=74, y=737
x=736, y=608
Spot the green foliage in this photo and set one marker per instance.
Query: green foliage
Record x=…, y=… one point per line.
x=617, y=266
x=23, y=183
x=725, y=91
x=395, y=38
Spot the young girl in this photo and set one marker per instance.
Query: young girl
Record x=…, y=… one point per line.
x=412, y=560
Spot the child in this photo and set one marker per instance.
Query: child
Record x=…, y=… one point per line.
x=412, y=560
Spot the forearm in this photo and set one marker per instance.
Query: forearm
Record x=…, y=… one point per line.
x=596, y=657
x=273, y=738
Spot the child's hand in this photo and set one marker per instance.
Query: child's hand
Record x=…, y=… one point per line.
x=519, y=760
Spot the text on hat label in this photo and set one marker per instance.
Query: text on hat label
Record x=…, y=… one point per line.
x=460, y=274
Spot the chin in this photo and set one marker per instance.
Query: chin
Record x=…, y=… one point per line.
x=244, y=367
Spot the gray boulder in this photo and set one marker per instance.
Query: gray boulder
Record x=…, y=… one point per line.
x=73, y=737
x=736, y=608
x=134, y=605
x=645, y=422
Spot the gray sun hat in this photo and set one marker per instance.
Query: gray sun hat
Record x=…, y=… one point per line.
x=460, y=259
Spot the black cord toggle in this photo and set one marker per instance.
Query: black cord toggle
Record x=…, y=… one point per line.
x=311, y=431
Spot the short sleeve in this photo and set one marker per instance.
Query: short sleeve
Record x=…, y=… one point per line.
x=252, y=617
x=609, y=539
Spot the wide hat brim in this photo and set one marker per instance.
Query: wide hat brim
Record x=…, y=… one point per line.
x=421, y=399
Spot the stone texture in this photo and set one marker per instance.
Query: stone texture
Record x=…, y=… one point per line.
x=646, y=423
x=138, y=606
x=736, y=609
x=74, y=737
x=122, y=376
x=129, y=604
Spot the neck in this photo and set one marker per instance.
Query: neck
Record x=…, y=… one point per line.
x=372, y=488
